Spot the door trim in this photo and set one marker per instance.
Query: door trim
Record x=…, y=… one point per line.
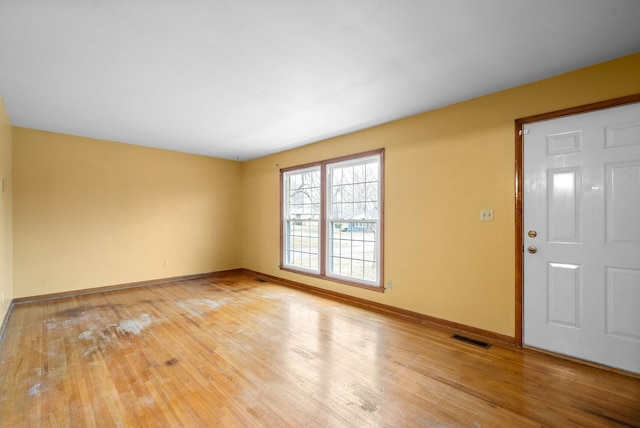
x=519, y=165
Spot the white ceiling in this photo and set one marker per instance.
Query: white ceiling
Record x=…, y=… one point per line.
x=240, y=79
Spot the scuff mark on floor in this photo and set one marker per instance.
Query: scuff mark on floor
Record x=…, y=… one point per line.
x=73, y=312
x=367, y=399
x=147, y=401
x=35, y=389
x=90, y=351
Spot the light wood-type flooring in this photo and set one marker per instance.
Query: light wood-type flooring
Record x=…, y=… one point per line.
x=229, y=351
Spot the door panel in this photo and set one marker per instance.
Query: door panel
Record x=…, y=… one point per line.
x=582, y=197
x=623, y=203
x=623, y=134
x=563, y=207
x=623, y=296
x=565, y=289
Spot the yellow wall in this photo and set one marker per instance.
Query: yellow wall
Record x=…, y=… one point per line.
x=6, y=236
x=442, y=168
x=91, y=213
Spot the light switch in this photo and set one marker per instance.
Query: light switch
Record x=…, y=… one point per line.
x=486, y=215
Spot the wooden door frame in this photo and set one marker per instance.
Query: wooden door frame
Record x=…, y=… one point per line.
x=519, y=176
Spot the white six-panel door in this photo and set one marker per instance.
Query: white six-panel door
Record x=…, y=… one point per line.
x=582, y=236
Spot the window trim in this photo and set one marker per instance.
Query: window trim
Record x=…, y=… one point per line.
x=324, y=220
x=284, y=206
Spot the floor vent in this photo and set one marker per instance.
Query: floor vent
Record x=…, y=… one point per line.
x=260, y=280
x=471, y=341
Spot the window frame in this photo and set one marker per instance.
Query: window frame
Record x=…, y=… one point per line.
x=294, y=219
x=325, y=220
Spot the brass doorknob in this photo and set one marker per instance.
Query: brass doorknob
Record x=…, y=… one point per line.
x=532, y=250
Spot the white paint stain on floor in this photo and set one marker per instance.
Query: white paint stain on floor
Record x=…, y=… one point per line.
x=201, y=307
x=131, y=326
x=98, y=338
x=86, y=335
x=136, y=325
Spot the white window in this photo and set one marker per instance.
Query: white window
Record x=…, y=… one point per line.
x=332, y=219
x=301, y=220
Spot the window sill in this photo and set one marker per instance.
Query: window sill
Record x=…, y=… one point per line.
x=378, y=288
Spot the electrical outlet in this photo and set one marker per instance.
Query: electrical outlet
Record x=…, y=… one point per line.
x=389, y=285
x=165, y=263
x=486, y=215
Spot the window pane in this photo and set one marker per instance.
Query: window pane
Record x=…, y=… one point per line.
x=302, y=244
x=354, y=196
x=301, y=219
x=358, y=173
x=352, y=250
x=355, y=191
x=303, y=194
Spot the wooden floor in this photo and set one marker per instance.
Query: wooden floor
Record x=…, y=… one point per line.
x=231, y=351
